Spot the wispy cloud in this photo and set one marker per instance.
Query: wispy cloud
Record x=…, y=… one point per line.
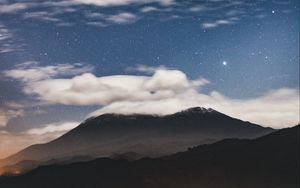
x=7, y=113
x=149, y=9
x=121, y=2
x=32, y=71
x=102, y=20
x=122, y=18
x=4, y=33
x=211, y=13
x=97, y=24
x=216, y=23
x=13, y=8
x=57, y=128
x=198, y=8
x=6, y=40
x=41, y=15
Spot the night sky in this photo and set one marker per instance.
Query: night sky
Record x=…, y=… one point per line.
x=63, y=61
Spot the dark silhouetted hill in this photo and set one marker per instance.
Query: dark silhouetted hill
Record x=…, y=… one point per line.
x=271, y=161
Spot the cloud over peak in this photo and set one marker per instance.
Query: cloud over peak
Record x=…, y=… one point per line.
x=87, y=89
x=164, y=91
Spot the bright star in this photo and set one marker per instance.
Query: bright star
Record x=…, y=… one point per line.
x=224, y=63
x=273, y=11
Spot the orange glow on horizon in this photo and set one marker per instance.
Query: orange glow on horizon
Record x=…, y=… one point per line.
x=10, y=171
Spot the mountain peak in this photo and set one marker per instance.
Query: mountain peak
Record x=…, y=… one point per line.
x=197, y=110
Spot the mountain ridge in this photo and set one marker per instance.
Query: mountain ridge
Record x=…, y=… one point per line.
x=108, y=134
x=270, y=161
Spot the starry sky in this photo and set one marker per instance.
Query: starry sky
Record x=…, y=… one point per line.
x=62, y=61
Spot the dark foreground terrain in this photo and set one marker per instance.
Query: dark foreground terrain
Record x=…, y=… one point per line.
x=271, y=161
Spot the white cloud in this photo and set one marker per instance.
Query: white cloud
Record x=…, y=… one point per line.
x=223, y=22
x=122, y=18
x=122, y=2
x=102, y=20
x=87, y=89
x=165, y=91
x=4, y=33
x=31, y=71
x=53, y=128
x=148, y=9
x=13, y=142
x=9, y=111
x=12, y=8
x=209, y=25
x=97, y=24
x=278, y=108
x=198, y=8
x=216, y=23
x=95, y=15
x=41, y=15
x=6, y=40
x=8, y=114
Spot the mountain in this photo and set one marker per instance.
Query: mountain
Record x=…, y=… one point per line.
x=146, y=135
x=27, y=165
x=19, y=167
x=271, y=161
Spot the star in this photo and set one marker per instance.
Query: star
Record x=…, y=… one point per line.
x=273, y=11
x=224, y=63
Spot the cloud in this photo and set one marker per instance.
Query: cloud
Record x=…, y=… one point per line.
x=122, y=18
x=97, y=24
x=13, y=142
x=57, y=11
x=31, y=71
x=278, y=108
x=198, y=8
x=148, y=9
x=165, y=91
x=41, y=15
x=4, y=33
x=87, y=89
x=9, y=111
x=53, y=128
x=216, y=23
x=12, y=8
x=95, y=15
x=103, y=20
x=8, y=114
x=122, y=2
x=6, y=40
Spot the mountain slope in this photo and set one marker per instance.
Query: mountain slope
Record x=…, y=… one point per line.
x=147, y=135
x=271, y=161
